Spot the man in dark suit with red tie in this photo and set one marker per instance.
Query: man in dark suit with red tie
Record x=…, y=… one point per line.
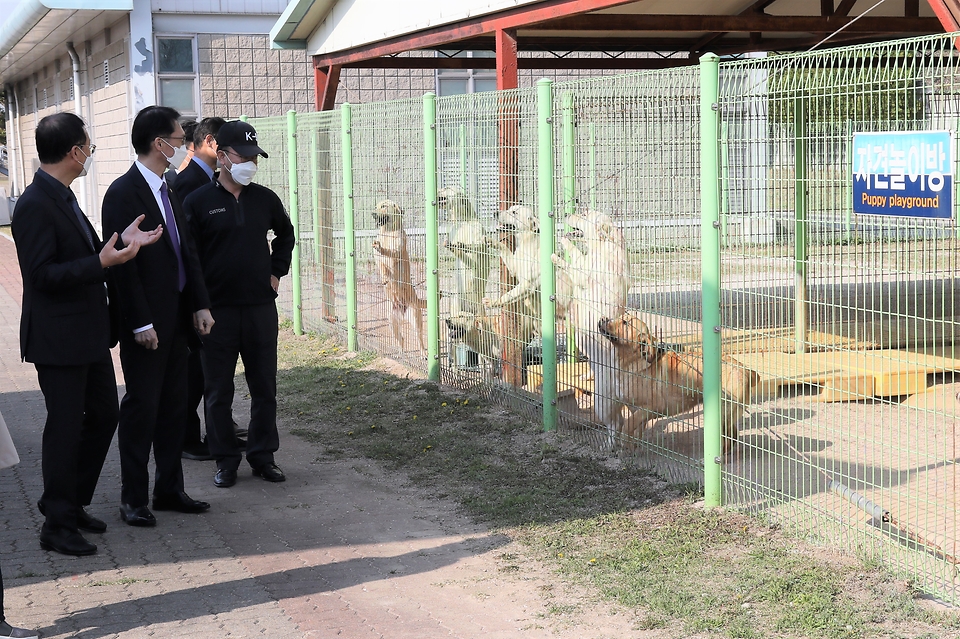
x=162, y=300
x=68, y=327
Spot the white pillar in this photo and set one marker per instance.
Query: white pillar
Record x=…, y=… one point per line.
x=143, y=86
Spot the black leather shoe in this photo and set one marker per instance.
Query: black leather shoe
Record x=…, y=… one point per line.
x=180, y=502
x=85, y=521
x=197, y=452
x=66, y=542
x=137, y=516
x=270, y=472
x=6, y=630
x=225, y=478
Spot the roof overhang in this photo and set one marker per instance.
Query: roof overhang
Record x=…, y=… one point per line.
x=344, y=33
x=36, y=29
x=297, y=22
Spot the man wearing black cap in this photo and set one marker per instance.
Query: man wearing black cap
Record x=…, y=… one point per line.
x=230, y=219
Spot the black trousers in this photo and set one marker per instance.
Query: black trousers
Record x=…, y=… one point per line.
x=81, y=419
x=153, y=413
x=250, y=333
x=194, y=432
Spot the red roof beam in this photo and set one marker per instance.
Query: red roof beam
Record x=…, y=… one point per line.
x=741, y=23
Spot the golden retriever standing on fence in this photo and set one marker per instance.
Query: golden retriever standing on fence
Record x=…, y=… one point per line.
x=467, y=240
x=659, y=382
x=600, y=276
x=393, y=263
x=520, y=253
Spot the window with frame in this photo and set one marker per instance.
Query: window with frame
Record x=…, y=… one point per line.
x=460, y=81
x=177, y=74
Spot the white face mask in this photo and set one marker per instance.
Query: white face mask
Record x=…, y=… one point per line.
x=179, y=155
x=243, y=172
x=87, y=163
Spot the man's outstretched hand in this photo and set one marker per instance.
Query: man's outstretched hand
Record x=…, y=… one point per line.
x=111, y=256
x=133, y=233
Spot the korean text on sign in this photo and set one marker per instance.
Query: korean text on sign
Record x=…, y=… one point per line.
x=903, y=173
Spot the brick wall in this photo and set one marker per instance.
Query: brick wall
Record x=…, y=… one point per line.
x=242, y=75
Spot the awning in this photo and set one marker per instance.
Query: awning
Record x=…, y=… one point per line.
x=36, y=30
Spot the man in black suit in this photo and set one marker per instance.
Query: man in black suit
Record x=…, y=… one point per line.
x=162, y=300
x=198, y=172
x=67, y=328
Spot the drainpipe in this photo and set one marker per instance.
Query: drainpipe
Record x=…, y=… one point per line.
x=12, y=165
x=75, y=60
x=23, y=175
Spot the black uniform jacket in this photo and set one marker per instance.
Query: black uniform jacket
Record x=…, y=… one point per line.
x=231, y=237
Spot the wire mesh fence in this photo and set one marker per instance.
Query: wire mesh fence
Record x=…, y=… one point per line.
x=567, y=238
x=489, y=306
x=627, y=170
x=849, y=319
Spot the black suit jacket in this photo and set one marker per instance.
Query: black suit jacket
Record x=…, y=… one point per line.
x=190, y=179
x=65, y=320
x=148, y=284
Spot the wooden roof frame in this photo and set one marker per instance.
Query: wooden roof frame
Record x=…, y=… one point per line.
x=541, y=22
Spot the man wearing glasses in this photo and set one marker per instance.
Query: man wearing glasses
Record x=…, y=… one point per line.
x=162, y=300
x=68, y=326
x=230, y=219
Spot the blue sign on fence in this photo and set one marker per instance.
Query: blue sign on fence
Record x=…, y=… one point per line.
x=903, y=173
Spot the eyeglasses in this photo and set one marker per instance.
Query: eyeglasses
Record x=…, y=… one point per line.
x=243, y=158
x=170, y=137
x=92, y=147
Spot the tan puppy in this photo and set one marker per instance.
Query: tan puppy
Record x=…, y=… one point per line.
x=660, y=382
x=600, y=275
x=467, y=240
x=520, y=253
x=393, y=263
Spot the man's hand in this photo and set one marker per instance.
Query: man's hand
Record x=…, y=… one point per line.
x=203, y=321
x=133, y=235
x=110, y=256
x=147, y=339
x=274, y=283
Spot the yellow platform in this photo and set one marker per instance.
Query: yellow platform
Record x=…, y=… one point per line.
x=846, y=376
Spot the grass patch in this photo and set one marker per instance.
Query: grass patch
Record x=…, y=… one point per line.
x=601, y=522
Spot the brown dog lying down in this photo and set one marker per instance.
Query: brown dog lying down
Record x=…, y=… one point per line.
x=659, y=382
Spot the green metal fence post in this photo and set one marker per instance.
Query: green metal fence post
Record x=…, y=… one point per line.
x=848, y=190
x=710, y=257
x=349, y=237
x=463, y=154
x=294, y=219
x=548, y=284
x=724, y=183
x=593, y=166
x=801, y=185
x=243, y=118
x=433, y=233
x=315, y=184
x=569, y=168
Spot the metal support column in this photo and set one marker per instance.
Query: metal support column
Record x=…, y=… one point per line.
x=349, y=238
x=433, y=234
x=294, y=219
x=548, y=284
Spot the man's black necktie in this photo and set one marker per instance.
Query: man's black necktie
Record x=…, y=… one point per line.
x=82, y=219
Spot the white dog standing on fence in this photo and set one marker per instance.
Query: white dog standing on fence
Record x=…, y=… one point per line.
x=393, y=263
x=467, y=240
x=600, y=274
x=521, y=256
